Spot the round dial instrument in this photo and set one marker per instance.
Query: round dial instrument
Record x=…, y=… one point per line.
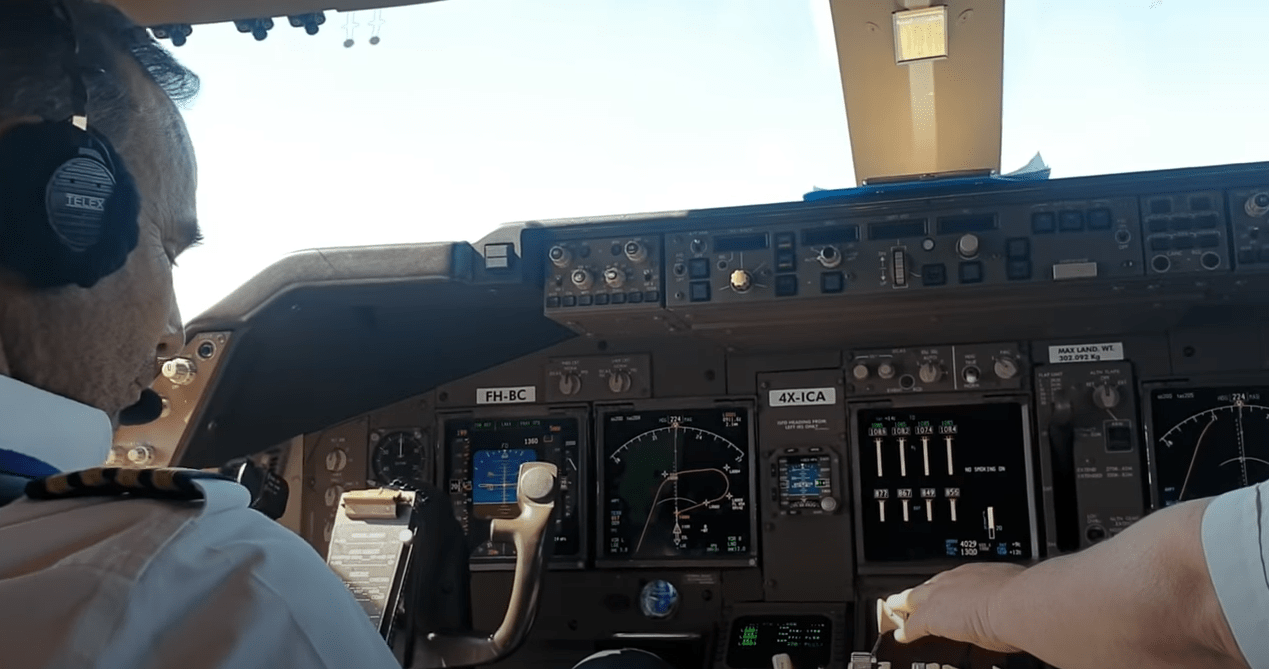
x=1209, y=441
x=400, y=457
x=677, y=484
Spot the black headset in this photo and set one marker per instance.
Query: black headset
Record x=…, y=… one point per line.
x=69, y=209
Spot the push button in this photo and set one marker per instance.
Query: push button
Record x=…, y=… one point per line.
x=652, y=296
x=553, y=302
x=934, y=274
x=1099, y=219
x=601, y=299
x=1018, y=270
x=1183, y=242
x=1209, y=240
x=699, y=291
x=1043, y=222
x=785, y=240
x=698, y=268
x=618, y=298
x=785, y=261
x=1157, y=224
x=635, y=297
x=971, y=272
x=585, y=300
x=1071, y=221
x=1018, y=248
x=1160, y=243
x=786, y=285
x=1207, y=221
x=570, y=300
x=832, y=282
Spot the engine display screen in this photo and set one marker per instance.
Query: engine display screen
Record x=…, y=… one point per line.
x=946, y=482
x=677, y=484
x=808, y=640
x=483, y=470
x=1208, y=441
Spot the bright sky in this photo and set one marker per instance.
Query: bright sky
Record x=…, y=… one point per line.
x=474, y=113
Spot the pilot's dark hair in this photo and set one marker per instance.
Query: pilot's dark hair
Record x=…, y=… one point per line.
x=34, y=46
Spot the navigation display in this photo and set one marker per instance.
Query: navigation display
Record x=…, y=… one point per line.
x=677, y=484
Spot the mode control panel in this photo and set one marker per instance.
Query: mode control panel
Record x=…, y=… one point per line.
x=609, y=273
x=1185, y=232
x=1091, y=459
x=598, y=378
x=975, y=367
x=1080, y=240
x=1249, y=228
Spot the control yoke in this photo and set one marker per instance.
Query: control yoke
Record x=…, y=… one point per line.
x=412, y=538
x=530, y=532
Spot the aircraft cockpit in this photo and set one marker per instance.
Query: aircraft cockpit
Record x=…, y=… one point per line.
x=721, y=434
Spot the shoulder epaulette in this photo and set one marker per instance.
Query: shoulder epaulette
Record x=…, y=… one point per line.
x=167, y=483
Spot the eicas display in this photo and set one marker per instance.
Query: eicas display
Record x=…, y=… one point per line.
x=1209, y=441
x=677, y=484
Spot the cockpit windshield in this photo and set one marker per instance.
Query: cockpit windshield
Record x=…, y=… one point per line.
x=440, y=121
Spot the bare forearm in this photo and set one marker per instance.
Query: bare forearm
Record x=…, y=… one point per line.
x=1143, y=599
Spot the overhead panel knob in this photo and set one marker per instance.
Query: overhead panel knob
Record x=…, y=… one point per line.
x=930, y=372
x=741, y=282
x=581, y=278
x=619, y=382
x=860, y=372
x=1006, y=367
x=570, y=383
x=560, y=256
x=967, y=246
x=180, y=371
x=829, y=257
x=614, y=277
x=886, y=370
x=636, y=251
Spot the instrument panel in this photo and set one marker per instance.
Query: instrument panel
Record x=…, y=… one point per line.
x=1208, y=440
x=677, y=484
x=769, y=416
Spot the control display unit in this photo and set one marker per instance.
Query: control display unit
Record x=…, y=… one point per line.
x=946, y=482
x=805, y=482
x=483, y=470
x=808, y=640
x=677, y=485
x=1208, y=441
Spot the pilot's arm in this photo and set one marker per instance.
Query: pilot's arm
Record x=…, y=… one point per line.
x=1183, y=587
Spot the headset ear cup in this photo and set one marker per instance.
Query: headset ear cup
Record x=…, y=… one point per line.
x=46, y=244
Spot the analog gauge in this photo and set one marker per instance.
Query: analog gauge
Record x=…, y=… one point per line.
x=677, y=484
x=1209, y=441
x=400, y=458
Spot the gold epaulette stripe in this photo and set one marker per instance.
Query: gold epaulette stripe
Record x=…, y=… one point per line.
x=168, y=483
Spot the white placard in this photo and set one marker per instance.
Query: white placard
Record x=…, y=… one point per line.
x=512, y=395
x=802, y=397
x=1086, y=352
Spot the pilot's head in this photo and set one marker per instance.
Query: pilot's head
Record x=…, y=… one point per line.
x=90, y=339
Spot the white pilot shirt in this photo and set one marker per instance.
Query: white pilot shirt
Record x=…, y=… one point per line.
x=101, y=583
x=1236, y=545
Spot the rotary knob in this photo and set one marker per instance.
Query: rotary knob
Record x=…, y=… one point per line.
x=860, y=372
x=930, y=372
x=614, y=277
x=619, y=382
x=581, y=278
x=180, y=371
x=971, y=375
x=967, y=246
x=140, y=455
x=570, y=383
x=1106, y=396
x=560, y=256
x=1006, y=367
x=886, y=370
x=336, y=460
x=741, y=282
x=635, y=251
x=829, y=257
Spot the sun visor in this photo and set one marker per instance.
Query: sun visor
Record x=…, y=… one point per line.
x=166, y=12
x=922, y=84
